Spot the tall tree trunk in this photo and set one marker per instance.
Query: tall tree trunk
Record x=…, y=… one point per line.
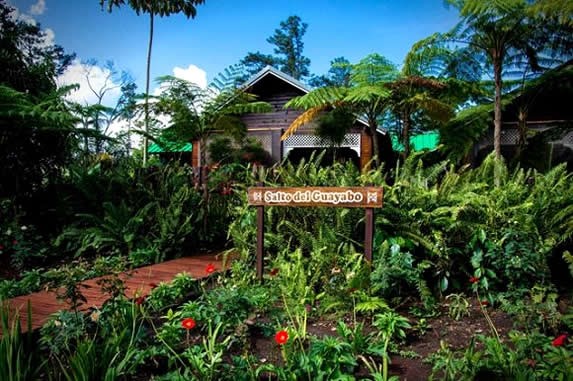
x=128, y=143
x=522, y=130
x=147, y=75
x=497, y=61
x=375, y=146
x=406, y=122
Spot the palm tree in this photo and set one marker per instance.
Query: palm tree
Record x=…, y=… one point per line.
x=366, y=96
x=161, y=8
x=497, y=32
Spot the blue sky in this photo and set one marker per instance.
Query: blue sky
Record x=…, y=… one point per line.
x=225, y=30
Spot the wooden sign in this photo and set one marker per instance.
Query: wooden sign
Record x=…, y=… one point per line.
x=344, y=197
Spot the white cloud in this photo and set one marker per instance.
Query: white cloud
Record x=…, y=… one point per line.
x=50, y=37
x=90, y=78
x=17, y=15
x=192, y=74
x=38, y=8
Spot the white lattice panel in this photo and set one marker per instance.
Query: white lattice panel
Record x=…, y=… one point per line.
x=568, y=139
x=306, y=141
x=266, y=141
x=509, y=136
x=351, y=141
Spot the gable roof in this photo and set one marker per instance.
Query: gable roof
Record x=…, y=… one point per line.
x=269, y=70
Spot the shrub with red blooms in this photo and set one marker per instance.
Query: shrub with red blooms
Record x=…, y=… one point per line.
x=210, y=268
x=559, y=341
x=474, y=279
x=227, y=190
x=281, y=337
x=274, y=271
x=188, y=323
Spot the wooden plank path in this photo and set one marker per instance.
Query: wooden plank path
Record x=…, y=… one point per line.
x=138, y=282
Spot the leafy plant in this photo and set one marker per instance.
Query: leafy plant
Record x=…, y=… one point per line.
x=115, y=359
x=390, y=325
x=458, y=306
x=528, y=357
x=326, y=359
x=19, y=357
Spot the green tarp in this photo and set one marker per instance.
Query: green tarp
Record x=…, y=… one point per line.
x=170, y=147
x=420, y=142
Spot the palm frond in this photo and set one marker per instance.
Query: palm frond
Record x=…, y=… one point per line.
x=320, y=97
x=561, y=10
x=434, y=107
x=306, y=117
x=367, y=94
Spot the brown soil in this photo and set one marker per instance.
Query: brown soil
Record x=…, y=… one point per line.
x=455, y=333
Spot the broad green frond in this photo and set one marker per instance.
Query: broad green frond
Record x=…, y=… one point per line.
x=428, y=56
x=435, y=108
x=460, y=134
x=319, y=97
x=561, y=10
x=373, y=69
x=482, y=7
x=367, y=94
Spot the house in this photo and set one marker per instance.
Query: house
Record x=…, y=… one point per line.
x=277, y=88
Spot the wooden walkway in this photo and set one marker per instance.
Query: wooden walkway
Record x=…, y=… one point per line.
x=138, y=282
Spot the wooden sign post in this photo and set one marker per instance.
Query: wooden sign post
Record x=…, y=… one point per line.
x=343, y=197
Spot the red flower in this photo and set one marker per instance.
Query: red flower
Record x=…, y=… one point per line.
x=274, y=271
x=281, y=337
x=188, y=323
x=559, y=340
x=474, y=279
x=210, y=268
x=139, y=300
